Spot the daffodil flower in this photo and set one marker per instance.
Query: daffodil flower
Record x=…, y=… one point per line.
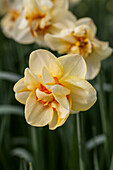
x=38, y=19
x=52, y=87
x=81, y=40
x=8, y=21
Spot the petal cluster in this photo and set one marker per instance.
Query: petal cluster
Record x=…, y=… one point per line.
x=9, y=20
x=81, y=40
x=36, y=19
x=52, y=87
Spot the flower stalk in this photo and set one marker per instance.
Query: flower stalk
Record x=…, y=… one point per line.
x=81, y=162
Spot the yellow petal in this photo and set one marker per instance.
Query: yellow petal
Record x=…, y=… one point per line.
x=57, y=120
x=53, y=123
x=47, y=77
x=89, y=22
x=93, y=66
x=44, y=96
x=22, y=96
x=31, y=80
x=82, y=93
x=30, y=7
x=59, y=15
x=57, y=44
x=61, y=3
x=22, y=35
x=62, y=100
x=36, y=113
x=83, y=30
x=73, y=65
x=62, y=112
x=21, y=91
x=59, y=90
x=102, y=49
x=20, y=86
x=43, y=58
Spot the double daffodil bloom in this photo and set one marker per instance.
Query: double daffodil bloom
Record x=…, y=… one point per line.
x=81, y=40
x=9, y=20
x=52, y=86
x=38, y=19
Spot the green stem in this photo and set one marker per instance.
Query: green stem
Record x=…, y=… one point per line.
x=103, y=113
x=81, y=162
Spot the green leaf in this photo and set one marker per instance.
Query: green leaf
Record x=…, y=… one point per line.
x=20, y=152
x=9, y=76
x=23, y=164
x=30, y=166
x=111, y=166
x=96, y=141
x=11, y=109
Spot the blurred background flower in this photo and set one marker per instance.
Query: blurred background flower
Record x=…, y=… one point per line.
x=21, y=143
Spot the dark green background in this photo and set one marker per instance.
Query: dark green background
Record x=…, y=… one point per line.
x=53, y=150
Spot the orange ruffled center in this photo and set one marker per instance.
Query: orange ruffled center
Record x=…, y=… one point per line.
x=48, y=96
x=82, y=46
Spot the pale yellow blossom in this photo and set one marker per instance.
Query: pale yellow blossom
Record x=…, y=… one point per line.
x=38, y=20
x=81, y=40
x=8, y=21
x=52, y=86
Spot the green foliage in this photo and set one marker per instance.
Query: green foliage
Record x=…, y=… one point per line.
x=53, y=150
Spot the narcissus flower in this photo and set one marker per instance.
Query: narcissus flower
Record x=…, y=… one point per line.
x=8, y=21
x=52, y=86
x=38, y=19
x=81, y=40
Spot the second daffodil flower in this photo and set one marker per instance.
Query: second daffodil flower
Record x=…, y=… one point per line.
x=41, y=17
x=9, y=20
x=81, y=40
x=52, y=86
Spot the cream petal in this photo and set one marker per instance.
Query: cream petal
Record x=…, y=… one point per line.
x=58, y=26
x=44, y=96
x=22, y=35
x=56, y=43
x=83, y=30
x=89, y=22
x=59, y=15
x=53, y=123
x=82, y=93
x=73, y=65
x=62, y=112
x=22, y=96
x=21, y=91
x=42, y=58
x=20, y=86
x=32, y=81
x=59, y=90
x=30, y=7
x=62, y=19
x=62, y=100
x=102, y=49
x=47, y=77
x=56, y=119
x=93, y=66
x=36, y=113
x=44, y=4
x=62, y=3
